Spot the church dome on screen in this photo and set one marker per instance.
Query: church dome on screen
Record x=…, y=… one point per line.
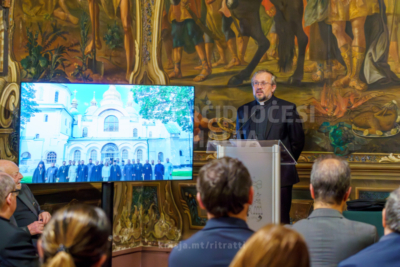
x=74, y=104
x=93, y=106
x=111, y=97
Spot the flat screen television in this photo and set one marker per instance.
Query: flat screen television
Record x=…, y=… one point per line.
x=105, y=132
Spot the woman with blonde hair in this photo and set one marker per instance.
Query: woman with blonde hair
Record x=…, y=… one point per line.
x=76, y=236
x=273, y=246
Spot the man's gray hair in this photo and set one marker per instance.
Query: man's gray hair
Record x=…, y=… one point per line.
x=330, y=178
x=7, y=185
x=392, y=208
x=273, y=78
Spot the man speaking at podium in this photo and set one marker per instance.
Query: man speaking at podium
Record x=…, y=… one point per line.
x=271, y=118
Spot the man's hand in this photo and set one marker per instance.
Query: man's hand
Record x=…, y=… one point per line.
x=36, y=228
x=44, y=217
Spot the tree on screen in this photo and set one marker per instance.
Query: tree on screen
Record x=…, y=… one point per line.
x=28, y=104
x=166, y=103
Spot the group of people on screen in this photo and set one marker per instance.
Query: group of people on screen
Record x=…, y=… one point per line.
x=111, y=170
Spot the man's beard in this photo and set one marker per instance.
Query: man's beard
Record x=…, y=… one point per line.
x=261, y=99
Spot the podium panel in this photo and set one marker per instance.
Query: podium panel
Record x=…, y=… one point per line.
x=263, y=159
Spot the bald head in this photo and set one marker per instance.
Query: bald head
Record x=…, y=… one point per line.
x=330, y=178
x=11, y=169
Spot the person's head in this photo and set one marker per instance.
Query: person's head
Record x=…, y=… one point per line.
x=264, y=85
x=41, y=164
x=129, y=161
x=147, y=161
x=82, y=162
x=123, y=162
x=101, y=162
x=167, y=159
x=97, y=162
x=152, y=161
x=117, y=159
x=11, y=169
x=73, y=162
x=90, y=160
x=52, y=164
x=273, y=246
x=159, y=161
x=115, y=162
x=78, y=235
x=106, y=163
x=391, y=213
x=69, y=162
x=330, y=181
x=138, y=161
x=133, y=161
x=64, y=163
x=224, y=188
x=8, y=195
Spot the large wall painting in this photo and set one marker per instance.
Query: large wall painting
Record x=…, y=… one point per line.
x=340, y=66
x=75, y=41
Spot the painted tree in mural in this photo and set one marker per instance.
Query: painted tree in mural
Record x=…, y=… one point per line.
x=167, y=103
x=28, y=106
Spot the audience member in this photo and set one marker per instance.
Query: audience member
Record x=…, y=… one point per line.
x=386, y=252
x=225, y=191
x=77, y=235
x=273, y=246
x=330, y=237
x=28, y=215
x=16, y=248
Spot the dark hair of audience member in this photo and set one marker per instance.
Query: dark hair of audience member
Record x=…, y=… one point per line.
x=273, y=246
x=224, y=186
x=76, y=236
x=330, y=178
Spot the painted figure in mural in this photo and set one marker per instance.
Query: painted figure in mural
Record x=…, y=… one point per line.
x=393, y=23
x=166, y=34
x=128, y=171
x=51, y=174
x=113, y=8
x=169, y=168
x=91, y=174
x=72, y=172
x=147, y=171
x=288, y=21
x=352, y=50
x=159, y=171
x=115, y=172
x=82, y=172
x=230, y=38
x=324, y=50
x=59, y=8
x=39, y=174
x=184, y=27
x=62, y=173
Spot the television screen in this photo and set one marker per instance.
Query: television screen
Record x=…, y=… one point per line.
x=104, y=132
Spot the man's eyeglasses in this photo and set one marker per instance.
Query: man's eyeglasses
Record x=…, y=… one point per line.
x=263, y=84
x=16, y=191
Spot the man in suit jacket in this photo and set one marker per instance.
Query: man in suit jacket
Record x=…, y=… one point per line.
x=226, y=229
x=386, y=252
x=271, y=118
x=28, y=215
x=330, y=237
x=16, y=248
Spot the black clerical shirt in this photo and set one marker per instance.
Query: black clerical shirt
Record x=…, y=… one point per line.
x=259, y=121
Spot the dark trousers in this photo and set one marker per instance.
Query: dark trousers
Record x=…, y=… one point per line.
x=286, y=203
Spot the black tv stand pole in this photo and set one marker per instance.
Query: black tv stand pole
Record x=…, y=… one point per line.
x=107, y=204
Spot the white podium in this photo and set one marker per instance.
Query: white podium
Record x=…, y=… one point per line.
x=263, y=159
